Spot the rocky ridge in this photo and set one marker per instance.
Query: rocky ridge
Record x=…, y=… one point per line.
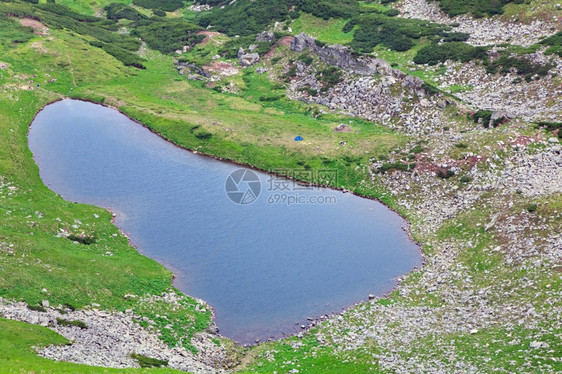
x=370, y=89
x=483, y=31
x=111, y=337
x=537, y=100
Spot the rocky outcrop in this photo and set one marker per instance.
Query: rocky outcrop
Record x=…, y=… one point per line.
x=247, y=59
x=536, y=100
x=397, y=101
x=342, y=127
x=483, y=31
x=380, y=93
x=302, y=41
x=340, y=56
x=265, y=36
x=191, y=70
x=110, y=337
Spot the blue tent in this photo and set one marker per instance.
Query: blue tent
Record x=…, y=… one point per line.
x=298, y=138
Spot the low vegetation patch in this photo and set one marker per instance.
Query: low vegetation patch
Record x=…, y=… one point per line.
x=167, y=35
x=396, y=166
x=484, y=117
x=478, y=8
x=552, y=127
x=249, y=17
x=82, y=238
x=231, y=47
x=118, y=11
x=445, y=174
x=531, y=208
x=330, y=77
x=456, y=51
x=397, y=34
x=164, y=5
x=76, y=323
x=520, y=65
x=148, y=362
x=554, y=44
x=36, y=308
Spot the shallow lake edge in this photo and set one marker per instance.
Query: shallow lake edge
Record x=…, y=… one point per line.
x=308, y=326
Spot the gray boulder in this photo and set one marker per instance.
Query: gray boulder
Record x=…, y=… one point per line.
x=241, y=52
x=412, y=82
x=248, y=59
x=301, y=42
x=500, y=115
x=342, y=127
x=266, y=36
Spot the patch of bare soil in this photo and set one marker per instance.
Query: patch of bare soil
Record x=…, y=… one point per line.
x=38, y=27
x=221, y=68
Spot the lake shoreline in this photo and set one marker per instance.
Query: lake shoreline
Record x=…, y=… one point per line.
x=310, y=322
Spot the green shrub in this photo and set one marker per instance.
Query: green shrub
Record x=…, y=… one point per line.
x=456, y=37
x=246, y=17
x=531, y=208
x=445, y=174
x=11, y=32
x=66, y=12
x=310, y=91
x=82, y=239
x=119, y=11
x=127, y=57
x=306, y=59
x=36, y=308
x=165, y=5
x=203, y=135
x=524, y=67
x=554, y=43
x=349, y=25
x=456, y=51
x=330, y=77
x=478, y=8
x=148, y=362
x=292, y=72
x=167, y=35
x=396, y=166
x=552, y=126
x=466, y=179
x=69, y=306
x=485, y=115
x=391, y=13
x=398, y=34
x=65, y=322
x=230, y=48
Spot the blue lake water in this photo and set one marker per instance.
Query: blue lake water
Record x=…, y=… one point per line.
x=264, y=265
